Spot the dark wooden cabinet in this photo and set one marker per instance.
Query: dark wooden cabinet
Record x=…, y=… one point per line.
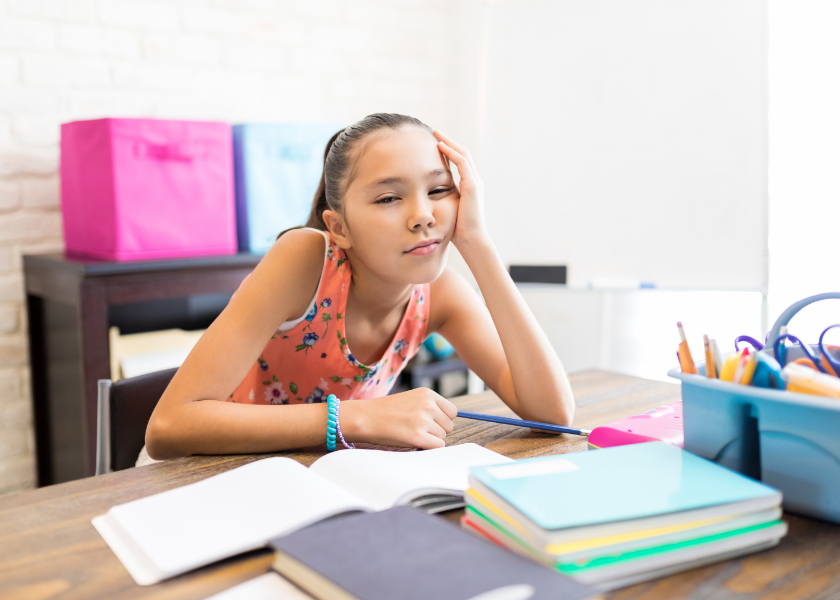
x=71, y=303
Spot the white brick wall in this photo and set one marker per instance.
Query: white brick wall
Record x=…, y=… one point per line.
x=232, y=60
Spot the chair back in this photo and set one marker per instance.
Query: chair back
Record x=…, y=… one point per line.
x=125, y=407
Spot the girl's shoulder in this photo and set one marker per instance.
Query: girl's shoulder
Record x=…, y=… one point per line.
x=300, y=247
x=290, y=271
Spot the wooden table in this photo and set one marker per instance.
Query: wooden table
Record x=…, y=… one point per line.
x=49, y=549
x=71, y=302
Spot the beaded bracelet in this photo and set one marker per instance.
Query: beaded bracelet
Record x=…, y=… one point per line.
x=333, y=424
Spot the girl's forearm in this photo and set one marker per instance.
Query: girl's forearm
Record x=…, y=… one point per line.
x=540, y=385
x=214, y=427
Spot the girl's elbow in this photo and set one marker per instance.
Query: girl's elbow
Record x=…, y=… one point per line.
x=160, y=440
x=564, y=411
x=566, y=417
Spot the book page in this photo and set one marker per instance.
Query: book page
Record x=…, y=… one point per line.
x=269, y=586
x=227, y=514
x=383, y=479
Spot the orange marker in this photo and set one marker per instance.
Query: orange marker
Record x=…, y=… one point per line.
x=711, y=372
x=686, y=362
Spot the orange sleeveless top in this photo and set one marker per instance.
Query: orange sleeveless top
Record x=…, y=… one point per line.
x=308, y=359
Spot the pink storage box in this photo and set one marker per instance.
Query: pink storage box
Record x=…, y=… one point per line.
x=147, y=188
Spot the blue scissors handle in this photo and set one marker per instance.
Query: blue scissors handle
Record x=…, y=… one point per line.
x=750, y=340
x=777, y=347
x=824, y=350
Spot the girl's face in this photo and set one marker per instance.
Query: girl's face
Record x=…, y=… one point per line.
x=400, y=206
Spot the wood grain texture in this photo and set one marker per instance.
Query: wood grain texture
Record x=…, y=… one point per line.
x=49, y=549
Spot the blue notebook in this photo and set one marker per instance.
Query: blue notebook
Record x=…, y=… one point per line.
x=618, y=484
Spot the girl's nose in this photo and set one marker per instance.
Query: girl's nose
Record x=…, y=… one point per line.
x=423, y=216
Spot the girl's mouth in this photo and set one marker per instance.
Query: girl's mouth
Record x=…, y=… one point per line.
x=424, y=248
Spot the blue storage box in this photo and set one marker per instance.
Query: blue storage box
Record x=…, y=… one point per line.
x=787, y=440
x=277, y=167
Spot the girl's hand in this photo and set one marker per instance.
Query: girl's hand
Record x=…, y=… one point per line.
x=416, y=419
x=470, y=226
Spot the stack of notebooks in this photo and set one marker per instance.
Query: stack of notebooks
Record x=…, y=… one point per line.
x=614, y=517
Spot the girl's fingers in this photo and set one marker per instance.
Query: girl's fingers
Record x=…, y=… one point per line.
x=436, y=430
x=431, y=442
x=457, y=147
x=464, y=167
x=449, y=409
x=451, y=143
x=443, y=421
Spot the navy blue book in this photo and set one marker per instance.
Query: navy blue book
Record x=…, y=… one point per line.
x=407, y=554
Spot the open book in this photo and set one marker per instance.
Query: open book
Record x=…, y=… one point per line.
x=188, y=527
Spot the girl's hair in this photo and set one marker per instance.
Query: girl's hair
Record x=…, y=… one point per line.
x=339, y=159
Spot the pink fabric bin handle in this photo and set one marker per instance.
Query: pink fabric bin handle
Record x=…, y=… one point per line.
x=185, y=152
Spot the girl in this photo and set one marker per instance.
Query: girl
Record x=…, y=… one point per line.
x=340, y=306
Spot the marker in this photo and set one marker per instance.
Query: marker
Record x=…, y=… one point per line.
x=521, y=423
x=686, y=362
x=746, y=367
x=808, y=381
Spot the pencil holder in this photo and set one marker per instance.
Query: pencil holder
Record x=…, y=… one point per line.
x=785, y=439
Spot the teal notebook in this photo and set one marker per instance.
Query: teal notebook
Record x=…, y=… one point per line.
x=618, y=484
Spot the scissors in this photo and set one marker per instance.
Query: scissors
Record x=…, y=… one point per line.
x=825, y=364
x=833, y=362
x=750, y=340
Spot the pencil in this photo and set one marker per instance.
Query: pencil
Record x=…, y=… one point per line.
x=686, y=362
x=521, y=423
x=711, y=372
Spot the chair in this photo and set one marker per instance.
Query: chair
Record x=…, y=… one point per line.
x=124, y=408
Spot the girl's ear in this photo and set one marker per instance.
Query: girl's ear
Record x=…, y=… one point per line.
x=337, y=228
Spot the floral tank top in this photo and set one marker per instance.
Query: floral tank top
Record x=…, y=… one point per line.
x=308, y=359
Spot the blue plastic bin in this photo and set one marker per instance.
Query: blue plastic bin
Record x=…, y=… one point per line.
x=277, y=168
x=787, y=440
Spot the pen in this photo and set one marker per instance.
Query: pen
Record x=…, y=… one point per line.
x=521, y=423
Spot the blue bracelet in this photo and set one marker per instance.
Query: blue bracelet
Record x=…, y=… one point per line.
x=332, y=421
x=333, y=425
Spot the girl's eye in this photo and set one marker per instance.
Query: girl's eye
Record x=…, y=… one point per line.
x=439, y=191
x=386, y=200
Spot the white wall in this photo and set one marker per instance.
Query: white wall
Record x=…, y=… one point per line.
x=804, y=97
x=232, y=60
x=628, y=139
x=634, y=331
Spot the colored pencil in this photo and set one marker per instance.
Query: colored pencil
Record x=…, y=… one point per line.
x=686, y=362
x=521, y=423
